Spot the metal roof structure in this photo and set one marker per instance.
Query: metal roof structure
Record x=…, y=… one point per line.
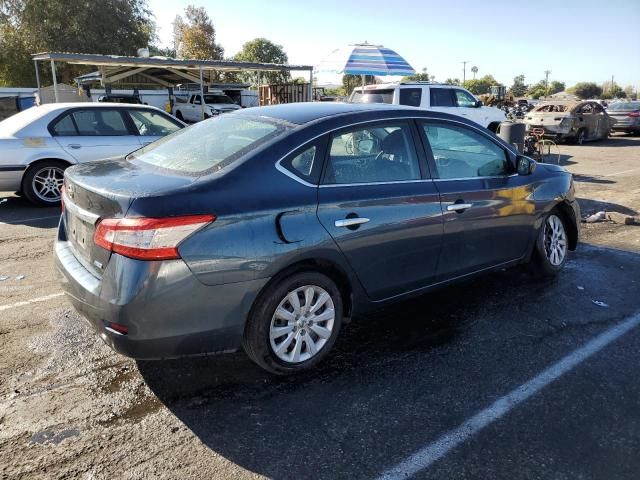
x=157, y=71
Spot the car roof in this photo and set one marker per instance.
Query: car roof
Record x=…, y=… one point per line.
x=52, y=107
x=301, y=113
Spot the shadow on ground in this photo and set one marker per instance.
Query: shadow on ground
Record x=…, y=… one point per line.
x=18, y=211
x=588, y=206
x=394, y=379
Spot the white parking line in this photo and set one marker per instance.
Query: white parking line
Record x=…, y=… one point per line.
x=29, y=302
x=23, y=220
x=432, y=452
x=621, y=173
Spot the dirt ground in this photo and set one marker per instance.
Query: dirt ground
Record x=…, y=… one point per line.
x=71, y=408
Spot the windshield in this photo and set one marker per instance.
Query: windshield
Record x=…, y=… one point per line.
x=210, y=145
x=209, y=99
x=552, y=108
x=372, y=96
x=624, y=106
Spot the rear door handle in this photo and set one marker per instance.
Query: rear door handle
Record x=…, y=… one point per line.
x=74, y=145
x=458, y=207
x=350, y=222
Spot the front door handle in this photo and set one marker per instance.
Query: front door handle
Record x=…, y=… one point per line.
x=351, y=222
x=74, y=145
x=459, y=207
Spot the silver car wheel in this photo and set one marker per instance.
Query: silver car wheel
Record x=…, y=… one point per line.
x=302, y=324
x=555, y=240
x=47, y=184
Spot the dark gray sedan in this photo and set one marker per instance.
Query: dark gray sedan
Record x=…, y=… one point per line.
x=269, y=228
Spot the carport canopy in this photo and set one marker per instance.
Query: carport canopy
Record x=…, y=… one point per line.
x=156, y=71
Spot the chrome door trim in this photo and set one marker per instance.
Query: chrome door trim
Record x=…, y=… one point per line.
x=350, y=222
x=79, y=212
x=293, y=176
x=456, y=207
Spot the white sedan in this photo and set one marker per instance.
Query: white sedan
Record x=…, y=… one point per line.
x=38, y=144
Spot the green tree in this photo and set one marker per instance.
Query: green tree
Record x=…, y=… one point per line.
x=117, y=27
x=586, y=90
x=518, y=89
x=481, y=85
x=194, y=36
x=261, y=50
x=418, y=77
x=538, y=90
x=556, y=87
x=452, y=81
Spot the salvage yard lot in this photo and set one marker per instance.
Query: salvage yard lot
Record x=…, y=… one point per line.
x=396, y=382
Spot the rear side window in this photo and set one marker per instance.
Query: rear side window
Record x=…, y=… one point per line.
x=305, y=164
x=441, y=97
x=100, y=122
x=210, y=145
x=65, y=127
x=410, y=96
x=372, y=96
x=381, y=153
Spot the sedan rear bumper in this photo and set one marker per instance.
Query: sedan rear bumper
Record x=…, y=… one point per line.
x=167, y=311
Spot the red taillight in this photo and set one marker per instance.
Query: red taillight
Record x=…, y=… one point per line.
x=117, y=328
x=148, y=238
x=634, y=114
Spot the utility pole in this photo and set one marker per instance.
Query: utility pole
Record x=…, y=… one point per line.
x=464, y=71
x=546, y=82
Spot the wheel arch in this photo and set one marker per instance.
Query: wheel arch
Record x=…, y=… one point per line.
x=326, y=267
x=570, y=221
x=36, y=162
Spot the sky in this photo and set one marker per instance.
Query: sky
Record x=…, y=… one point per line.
x=578, y=40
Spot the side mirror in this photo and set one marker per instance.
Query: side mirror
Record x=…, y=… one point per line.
x=525, y=165
x=479, y=103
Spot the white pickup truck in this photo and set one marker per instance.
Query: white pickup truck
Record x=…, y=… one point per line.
x=433, y=96
x=190, y=109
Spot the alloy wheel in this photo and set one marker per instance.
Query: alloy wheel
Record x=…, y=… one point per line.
x=555, y=240
x=302, y=324
x=47, y=184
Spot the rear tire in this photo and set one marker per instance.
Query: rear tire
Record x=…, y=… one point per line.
x=580, y=137
x=294, y=323
x=552, y=247
x=42, y=183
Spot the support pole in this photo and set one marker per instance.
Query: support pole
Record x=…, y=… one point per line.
x=363, y=80
x=35, y=63
x=201, y=94
x=311, y=86
x=55, y=81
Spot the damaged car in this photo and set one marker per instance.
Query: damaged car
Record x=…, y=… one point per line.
x=571, y=121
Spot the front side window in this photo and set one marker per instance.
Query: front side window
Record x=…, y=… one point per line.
x=381, y=153
x=410, y=96
x=100, y=122
x=150, y=123
x=441, y=97
x=464, y=99
x=210, y=146
x=460, y=152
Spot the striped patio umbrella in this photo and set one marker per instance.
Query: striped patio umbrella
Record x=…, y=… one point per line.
x=365, y=59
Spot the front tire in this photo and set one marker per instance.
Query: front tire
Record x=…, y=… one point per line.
x=552, y=247
x=179, y=116
x=294, y=323
x=42, y=183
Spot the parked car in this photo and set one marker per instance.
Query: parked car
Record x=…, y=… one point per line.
x=626, y=115
x=38, y=144
x=433, y=96
x=214, y=104
x=121, y=98
x=569, y=120
x=270, y=227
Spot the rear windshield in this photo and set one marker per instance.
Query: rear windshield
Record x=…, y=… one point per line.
x=624, y=106
x=210, y=145
x=372, y=96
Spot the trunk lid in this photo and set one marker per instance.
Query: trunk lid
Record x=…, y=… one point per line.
x=106, y=189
